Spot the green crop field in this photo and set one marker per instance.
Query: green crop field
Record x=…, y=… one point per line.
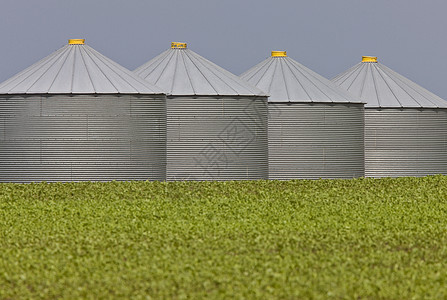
x=363, y=238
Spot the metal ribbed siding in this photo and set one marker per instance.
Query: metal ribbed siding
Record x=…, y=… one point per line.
x=405, y=142
x=311, y=141
x=80, y=137
x=217, y=138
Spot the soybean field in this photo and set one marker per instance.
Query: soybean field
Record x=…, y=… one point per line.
x=323, y=239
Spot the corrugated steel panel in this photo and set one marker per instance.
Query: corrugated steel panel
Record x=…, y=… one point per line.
x=82, y=137
x=180, y=72
x=212, y=138
x=405, y=142
x=286, y=80
x=77, y=69
x=381, y=87
x=311, y=141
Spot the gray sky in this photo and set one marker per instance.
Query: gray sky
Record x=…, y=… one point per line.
x=327, y=36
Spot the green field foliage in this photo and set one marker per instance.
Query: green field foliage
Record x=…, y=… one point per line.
x=324, y=239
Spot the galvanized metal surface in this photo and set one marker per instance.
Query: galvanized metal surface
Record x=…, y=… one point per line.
x=77, y=69
x=217, y=138
x=181, y=71
x=82, y=137
x=405, y=142
x=286, y=80
x=381, y=87
x=317, y=140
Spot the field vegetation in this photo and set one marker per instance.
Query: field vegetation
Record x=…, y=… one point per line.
x=363, y=238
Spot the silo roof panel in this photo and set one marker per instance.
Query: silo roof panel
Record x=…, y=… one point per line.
x=286, y=80
x=381, y=87
x=77, y=69
x=181, y=71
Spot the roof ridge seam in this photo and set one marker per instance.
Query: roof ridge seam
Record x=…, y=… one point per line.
x=359, y=68
x=74, y=72
x=175, y=71
x=219, y=71
x=395, y=96
x=255, y=70
x=144, y=67
x=31, y=69
x=88, y=73
x=284, y=77
x=346, y=74
x=375, y=87
x=310, y=75
x=299, y=82
x=275, y=67
x=187, y=74
x=267, y=66
x=57, y=58
x=101, y=58
x=164, y=68
x=60, y=69
x=410, y=88
x=51, y=61
x=187, y=54
x=363, y=84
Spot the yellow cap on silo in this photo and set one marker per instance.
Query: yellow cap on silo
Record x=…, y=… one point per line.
x=279, y=53
x=176, y=45
x=369, y=59
x=76, y=41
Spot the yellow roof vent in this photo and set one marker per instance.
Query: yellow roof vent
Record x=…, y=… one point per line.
x=175, y=45
x=369, y=59
x=279, y=53
x=76, y=41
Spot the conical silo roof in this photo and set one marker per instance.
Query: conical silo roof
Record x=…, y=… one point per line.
x=77, y=69
x=182, y=72
x=286, y=80
x=381, y=87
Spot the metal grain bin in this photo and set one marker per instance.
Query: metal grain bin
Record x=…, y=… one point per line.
x=216, y=122
x=315, y=128
x=405, y=125
x=76, y=115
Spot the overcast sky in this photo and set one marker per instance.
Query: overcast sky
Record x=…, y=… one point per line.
x=327, y=36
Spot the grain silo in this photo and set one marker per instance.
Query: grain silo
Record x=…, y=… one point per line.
x=315, y=128
x=77, y=115
x=216, y=122
x=405, y=125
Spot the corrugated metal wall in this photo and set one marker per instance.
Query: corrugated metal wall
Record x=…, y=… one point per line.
x=405, y=142
x=82, y=137
x=211, y=138
x=315, y=140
